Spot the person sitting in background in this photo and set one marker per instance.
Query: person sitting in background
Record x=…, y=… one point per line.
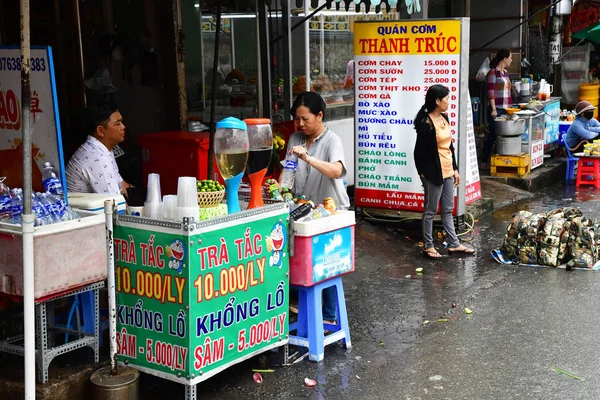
x=93, y=168
x=583, y=128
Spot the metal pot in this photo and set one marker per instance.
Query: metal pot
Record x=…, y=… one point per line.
x=508, y=145
x=508, y=127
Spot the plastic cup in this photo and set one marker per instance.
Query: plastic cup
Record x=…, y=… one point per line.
x=153, y=195
x=153, y=210
x=187, y=192
x=170, y=207
x=189, y=212
x=135, y=211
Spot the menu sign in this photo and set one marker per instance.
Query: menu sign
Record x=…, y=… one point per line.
x=396, y=62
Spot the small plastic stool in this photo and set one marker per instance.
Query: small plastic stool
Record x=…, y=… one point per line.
x=83, y=305
x=309, y=327
x=588, y=172
x=571, y=161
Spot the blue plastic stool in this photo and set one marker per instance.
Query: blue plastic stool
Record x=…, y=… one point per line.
x=83, y=304
x=571, y=161
x=309, y=327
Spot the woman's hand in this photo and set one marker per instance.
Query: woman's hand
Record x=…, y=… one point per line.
x=456, y=178
x=494, y=113
x=300, y=151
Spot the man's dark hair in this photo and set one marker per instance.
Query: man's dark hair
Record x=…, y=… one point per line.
x=98, y=115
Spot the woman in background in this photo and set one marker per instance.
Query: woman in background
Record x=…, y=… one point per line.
x=499, y=94
x=436, y=165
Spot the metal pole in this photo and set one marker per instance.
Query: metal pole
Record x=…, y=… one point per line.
x=467, y=8
x=27, y=218
x=202, y=62
x=322, y=52
x=112, y=303
x=265, y=58
x=307, y=47
x=80, y=48
x=287, y=59
x=213, y=97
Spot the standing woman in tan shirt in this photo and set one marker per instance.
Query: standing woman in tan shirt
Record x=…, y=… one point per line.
x=436, y=165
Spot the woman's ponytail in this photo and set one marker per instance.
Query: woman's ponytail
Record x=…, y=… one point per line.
x=420, y=115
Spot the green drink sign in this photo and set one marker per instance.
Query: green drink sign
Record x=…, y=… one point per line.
x=194, y=302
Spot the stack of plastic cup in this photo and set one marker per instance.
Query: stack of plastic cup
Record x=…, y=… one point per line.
x=153, y=204
x=170, y=207
x=187, y=198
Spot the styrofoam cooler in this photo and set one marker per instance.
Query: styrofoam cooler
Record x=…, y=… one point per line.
x=94, y=202
x=67, y=255
x=322, y=249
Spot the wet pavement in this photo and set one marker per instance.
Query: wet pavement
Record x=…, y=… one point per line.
x=524, y=322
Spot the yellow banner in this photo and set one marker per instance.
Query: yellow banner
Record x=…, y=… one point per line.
x=407, y=37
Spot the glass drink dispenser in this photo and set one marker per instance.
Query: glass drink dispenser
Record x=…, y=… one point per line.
x=260, y=137
x=231, y=153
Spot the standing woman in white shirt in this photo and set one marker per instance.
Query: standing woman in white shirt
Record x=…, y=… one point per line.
x=93, y=168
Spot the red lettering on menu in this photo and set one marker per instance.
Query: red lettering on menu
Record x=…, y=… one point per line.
x=384, y=46
x=10, y=111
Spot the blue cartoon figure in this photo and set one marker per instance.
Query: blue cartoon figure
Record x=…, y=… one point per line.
x=176, y=253
x=276, y=243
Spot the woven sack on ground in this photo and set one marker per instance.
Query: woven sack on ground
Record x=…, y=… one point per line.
x=510, y=247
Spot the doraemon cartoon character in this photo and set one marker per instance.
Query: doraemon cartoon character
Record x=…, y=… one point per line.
x=277, y=241
x=177, y=255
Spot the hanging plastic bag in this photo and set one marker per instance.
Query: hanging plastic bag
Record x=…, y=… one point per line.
x=483, y=70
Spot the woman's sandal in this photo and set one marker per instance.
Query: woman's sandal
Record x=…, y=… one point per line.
x=464, y=250
x=432, y=254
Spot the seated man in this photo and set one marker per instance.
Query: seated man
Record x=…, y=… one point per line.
x=93, y=168
x=584, y=128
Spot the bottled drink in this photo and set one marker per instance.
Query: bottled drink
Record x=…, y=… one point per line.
x=231, y=164
x=42, y=215
x=16, y=205
x=50, y=181
x=5, y=213
x=290, y=165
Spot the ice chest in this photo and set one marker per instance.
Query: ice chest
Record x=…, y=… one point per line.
x=66, y=255
x=322, y=249
x=94, y=202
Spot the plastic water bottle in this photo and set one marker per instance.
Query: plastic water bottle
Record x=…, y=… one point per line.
x=290, y=165
x=16, y=205
x=5, y=213
x=50, y=181
x=42, y=216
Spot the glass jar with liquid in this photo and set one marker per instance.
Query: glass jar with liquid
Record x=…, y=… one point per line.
x=231, y=153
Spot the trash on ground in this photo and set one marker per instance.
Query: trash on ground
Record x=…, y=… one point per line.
x=426, y=322
x=443, y=320
x=310, y=382
x=263, y=370
x=358, y=377
x=257, y=377
x=468, y=311
x=435, y=378
x=567, y=373
x=453, y=305
x=419, y=270
x=381, y=343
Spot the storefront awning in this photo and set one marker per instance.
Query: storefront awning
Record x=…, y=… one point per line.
x=359, y=4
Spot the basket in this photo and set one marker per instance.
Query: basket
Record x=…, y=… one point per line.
x=210, y=199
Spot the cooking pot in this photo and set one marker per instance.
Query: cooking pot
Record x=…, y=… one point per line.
x=509, y=127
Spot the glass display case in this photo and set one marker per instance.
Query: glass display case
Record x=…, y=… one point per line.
x=532, y=141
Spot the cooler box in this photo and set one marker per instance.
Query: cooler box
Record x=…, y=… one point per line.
x=322, y=249
x=67, y=255
x=173, y=154
x=94, y=202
